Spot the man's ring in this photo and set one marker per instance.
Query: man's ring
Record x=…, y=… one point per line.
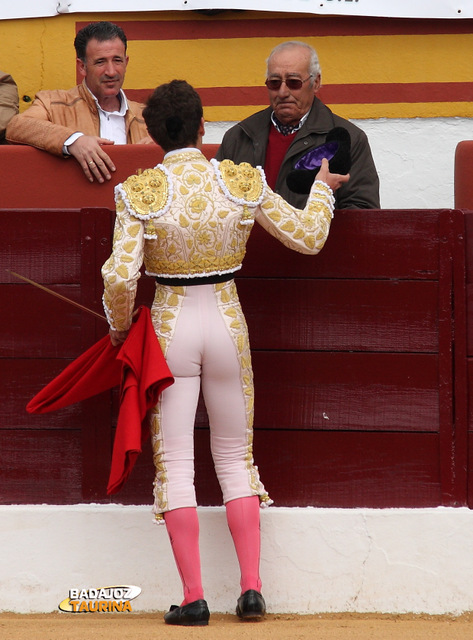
x=91, y=162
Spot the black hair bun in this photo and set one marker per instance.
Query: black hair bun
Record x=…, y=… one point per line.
x=174, y=126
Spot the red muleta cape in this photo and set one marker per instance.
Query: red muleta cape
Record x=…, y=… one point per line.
x=137, y=366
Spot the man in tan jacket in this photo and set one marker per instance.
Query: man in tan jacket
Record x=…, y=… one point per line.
x=82, y=121
x=8, y=102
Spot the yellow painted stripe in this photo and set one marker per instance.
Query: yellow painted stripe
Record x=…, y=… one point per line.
x=39, y=54
x=360, y=111
x=349, y=59
x=423, y=58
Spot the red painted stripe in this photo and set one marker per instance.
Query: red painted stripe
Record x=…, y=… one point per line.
x=228, y=96
x=397, y=92
x=286, y=27
x=383, y=93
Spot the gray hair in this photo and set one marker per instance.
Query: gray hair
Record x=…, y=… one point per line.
x=314, y=64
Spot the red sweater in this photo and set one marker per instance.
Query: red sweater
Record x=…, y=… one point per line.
x=277, y=149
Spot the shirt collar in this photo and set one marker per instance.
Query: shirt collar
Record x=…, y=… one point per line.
x=287, y=129
x=123, y=103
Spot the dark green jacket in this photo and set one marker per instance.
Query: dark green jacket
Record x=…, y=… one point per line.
x=247, y=142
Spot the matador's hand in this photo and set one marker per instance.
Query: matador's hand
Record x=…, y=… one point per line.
x=334, y=180
x=117, y=337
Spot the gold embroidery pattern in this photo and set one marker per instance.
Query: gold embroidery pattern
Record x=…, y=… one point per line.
x=232, y=314
x=243, y=181
x=164, y=314
x=147, y=192
x=201, y=235
x=185, y=156
x=160, y=479
x=301, y=230
x=120, y=273
x=167, y=304
x=244, y=185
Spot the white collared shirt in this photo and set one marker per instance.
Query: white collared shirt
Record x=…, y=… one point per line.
x=112, y=123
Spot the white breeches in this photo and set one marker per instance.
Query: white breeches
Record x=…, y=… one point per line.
x=205, y=341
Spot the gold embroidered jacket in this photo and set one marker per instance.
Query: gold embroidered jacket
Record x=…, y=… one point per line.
x=189, y=217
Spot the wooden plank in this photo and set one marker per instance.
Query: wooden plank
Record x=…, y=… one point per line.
x=361, y=244
x=468, y=219
x=41, y=244
x=343, y=391
x=460, y=251
x=346, y=391
x=96, y=443
x=343, y=469
x=470, y=466
x=341, y=315
x=469, y=312
x=21, y=380
x=96, y=229
x=36, y=324
x=451, y=281
x=39, y=467
x=470, y=393
x=298, y=468
x=445, y=384
x=321, y=469
x=96, y=240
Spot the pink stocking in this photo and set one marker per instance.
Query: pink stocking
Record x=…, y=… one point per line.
x=183, y=529
x=244, y=524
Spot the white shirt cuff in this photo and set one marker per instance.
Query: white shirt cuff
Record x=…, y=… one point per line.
x=69, y=141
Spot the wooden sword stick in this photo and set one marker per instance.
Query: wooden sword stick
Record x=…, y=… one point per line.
x=57, y=295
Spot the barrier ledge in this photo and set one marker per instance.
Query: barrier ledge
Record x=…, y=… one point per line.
x=32, y=179
x=463, y=184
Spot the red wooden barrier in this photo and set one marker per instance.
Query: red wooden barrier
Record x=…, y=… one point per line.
x=464, y=200
x=32, y=178
x=360, y=359
x=463, y=171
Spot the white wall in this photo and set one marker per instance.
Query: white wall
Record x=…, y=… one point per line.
x=313, y=560
x=414, y=158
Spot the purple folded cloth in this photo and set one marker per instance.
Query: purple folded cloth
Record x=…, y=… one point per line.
x=313, y=158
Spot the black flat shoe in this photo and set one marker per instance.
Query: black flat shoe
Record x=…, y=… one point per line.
x=251, y=606
x=194, y=614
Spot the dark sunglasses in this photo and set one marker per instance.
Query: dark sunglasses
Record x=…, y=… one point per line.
x=291, y=83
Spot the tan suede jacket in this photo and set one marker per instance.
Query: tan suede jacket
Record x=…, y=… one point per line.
x=8, y=102
x=56, y=115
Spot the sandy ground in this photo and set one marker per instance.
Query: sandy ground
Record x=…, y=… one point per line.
x=136, y=626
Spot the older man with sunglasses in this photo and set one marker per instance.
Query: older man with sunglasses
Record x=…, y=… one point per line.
x=295, y=122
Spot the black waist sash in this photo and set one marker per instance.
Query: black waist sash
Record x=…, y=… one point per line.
x=189, y=282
